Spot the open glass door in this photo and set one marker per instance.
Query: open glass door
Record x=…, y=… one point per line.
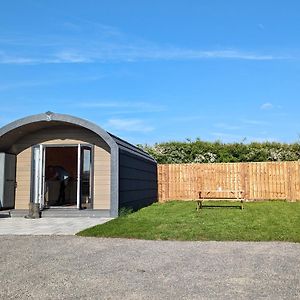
x=85, y=176
x=7, y=180
x=38, y=175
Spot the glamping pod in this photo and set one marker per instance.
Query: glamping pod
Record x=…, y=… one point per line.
x=61, y=161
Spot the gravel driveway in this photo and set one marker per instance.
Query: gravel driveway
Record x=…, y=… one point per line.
x=70, y=267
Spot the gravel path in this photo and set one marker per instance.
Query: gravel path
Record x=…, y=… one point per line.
x=70, y=267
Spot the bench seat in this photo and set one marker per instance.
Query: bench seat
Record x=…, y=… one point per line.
x=232, y=195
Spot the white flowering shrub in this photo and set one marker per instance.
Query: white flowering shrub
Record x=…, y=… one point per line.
x=207, y=152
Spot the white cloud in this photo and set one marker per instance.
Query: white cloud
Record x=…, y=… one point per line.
x=100, y=43
x=123, y=107
x=227, y=126
x=71, y=57
x=135, y=125
x=14, y=59
x=186, y=118
x=189, y=54
x=71, y=26
x=255, y=122
x=50, y=81
x=267, y=106
x=126, y=53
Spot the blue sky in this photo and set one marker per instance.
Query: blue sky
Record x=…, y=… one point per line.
x=153, y=71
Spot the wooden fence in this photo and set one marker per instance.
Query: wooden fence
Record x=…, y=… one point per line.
x=259, y=181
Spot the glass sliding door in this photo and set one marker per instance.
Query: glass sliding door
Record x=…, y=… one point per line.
x=38, y=175
x=85, y=177
x=84, y=170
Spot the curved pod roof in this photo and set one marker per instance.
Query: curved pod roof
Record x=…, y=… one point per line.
x=13, y=131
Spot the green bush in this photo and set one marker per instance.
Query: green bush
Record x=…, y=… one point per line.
x=216, y=152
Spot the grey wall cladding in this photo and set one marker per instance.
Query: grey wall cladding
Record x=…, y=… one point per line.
x=137, y=180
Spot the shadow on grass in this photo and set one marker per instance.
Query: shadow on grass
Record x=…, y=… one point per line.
x=220, y=206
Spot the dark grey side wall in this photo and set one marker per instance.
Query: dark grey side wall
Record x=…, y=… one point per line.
x=137, y=180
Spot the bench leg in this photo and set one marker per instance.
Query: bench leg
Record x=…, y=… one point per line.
x=199, y=205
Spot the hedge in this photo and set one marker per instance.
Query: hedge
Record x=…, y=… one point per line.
x=217, y=152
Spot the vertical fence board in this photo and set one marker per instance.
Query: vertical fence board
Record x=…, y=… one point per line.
x=259, y=181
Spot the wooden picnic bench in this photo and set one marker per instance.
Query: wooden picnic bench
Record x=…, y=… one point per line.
x=233, y=195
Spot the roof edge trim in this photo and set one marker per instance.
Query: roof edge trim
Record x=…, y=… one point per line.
x=49, y=116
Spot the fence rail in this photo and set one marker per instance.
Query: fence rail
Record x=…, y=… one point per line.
x=259, y=181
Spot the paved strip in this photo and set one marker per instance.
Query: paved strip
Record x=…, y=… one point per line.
x=70, y=267
x=47, y=226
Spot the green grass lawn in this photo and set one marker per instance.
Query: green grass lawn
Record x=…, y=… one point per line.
x=178, y=220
